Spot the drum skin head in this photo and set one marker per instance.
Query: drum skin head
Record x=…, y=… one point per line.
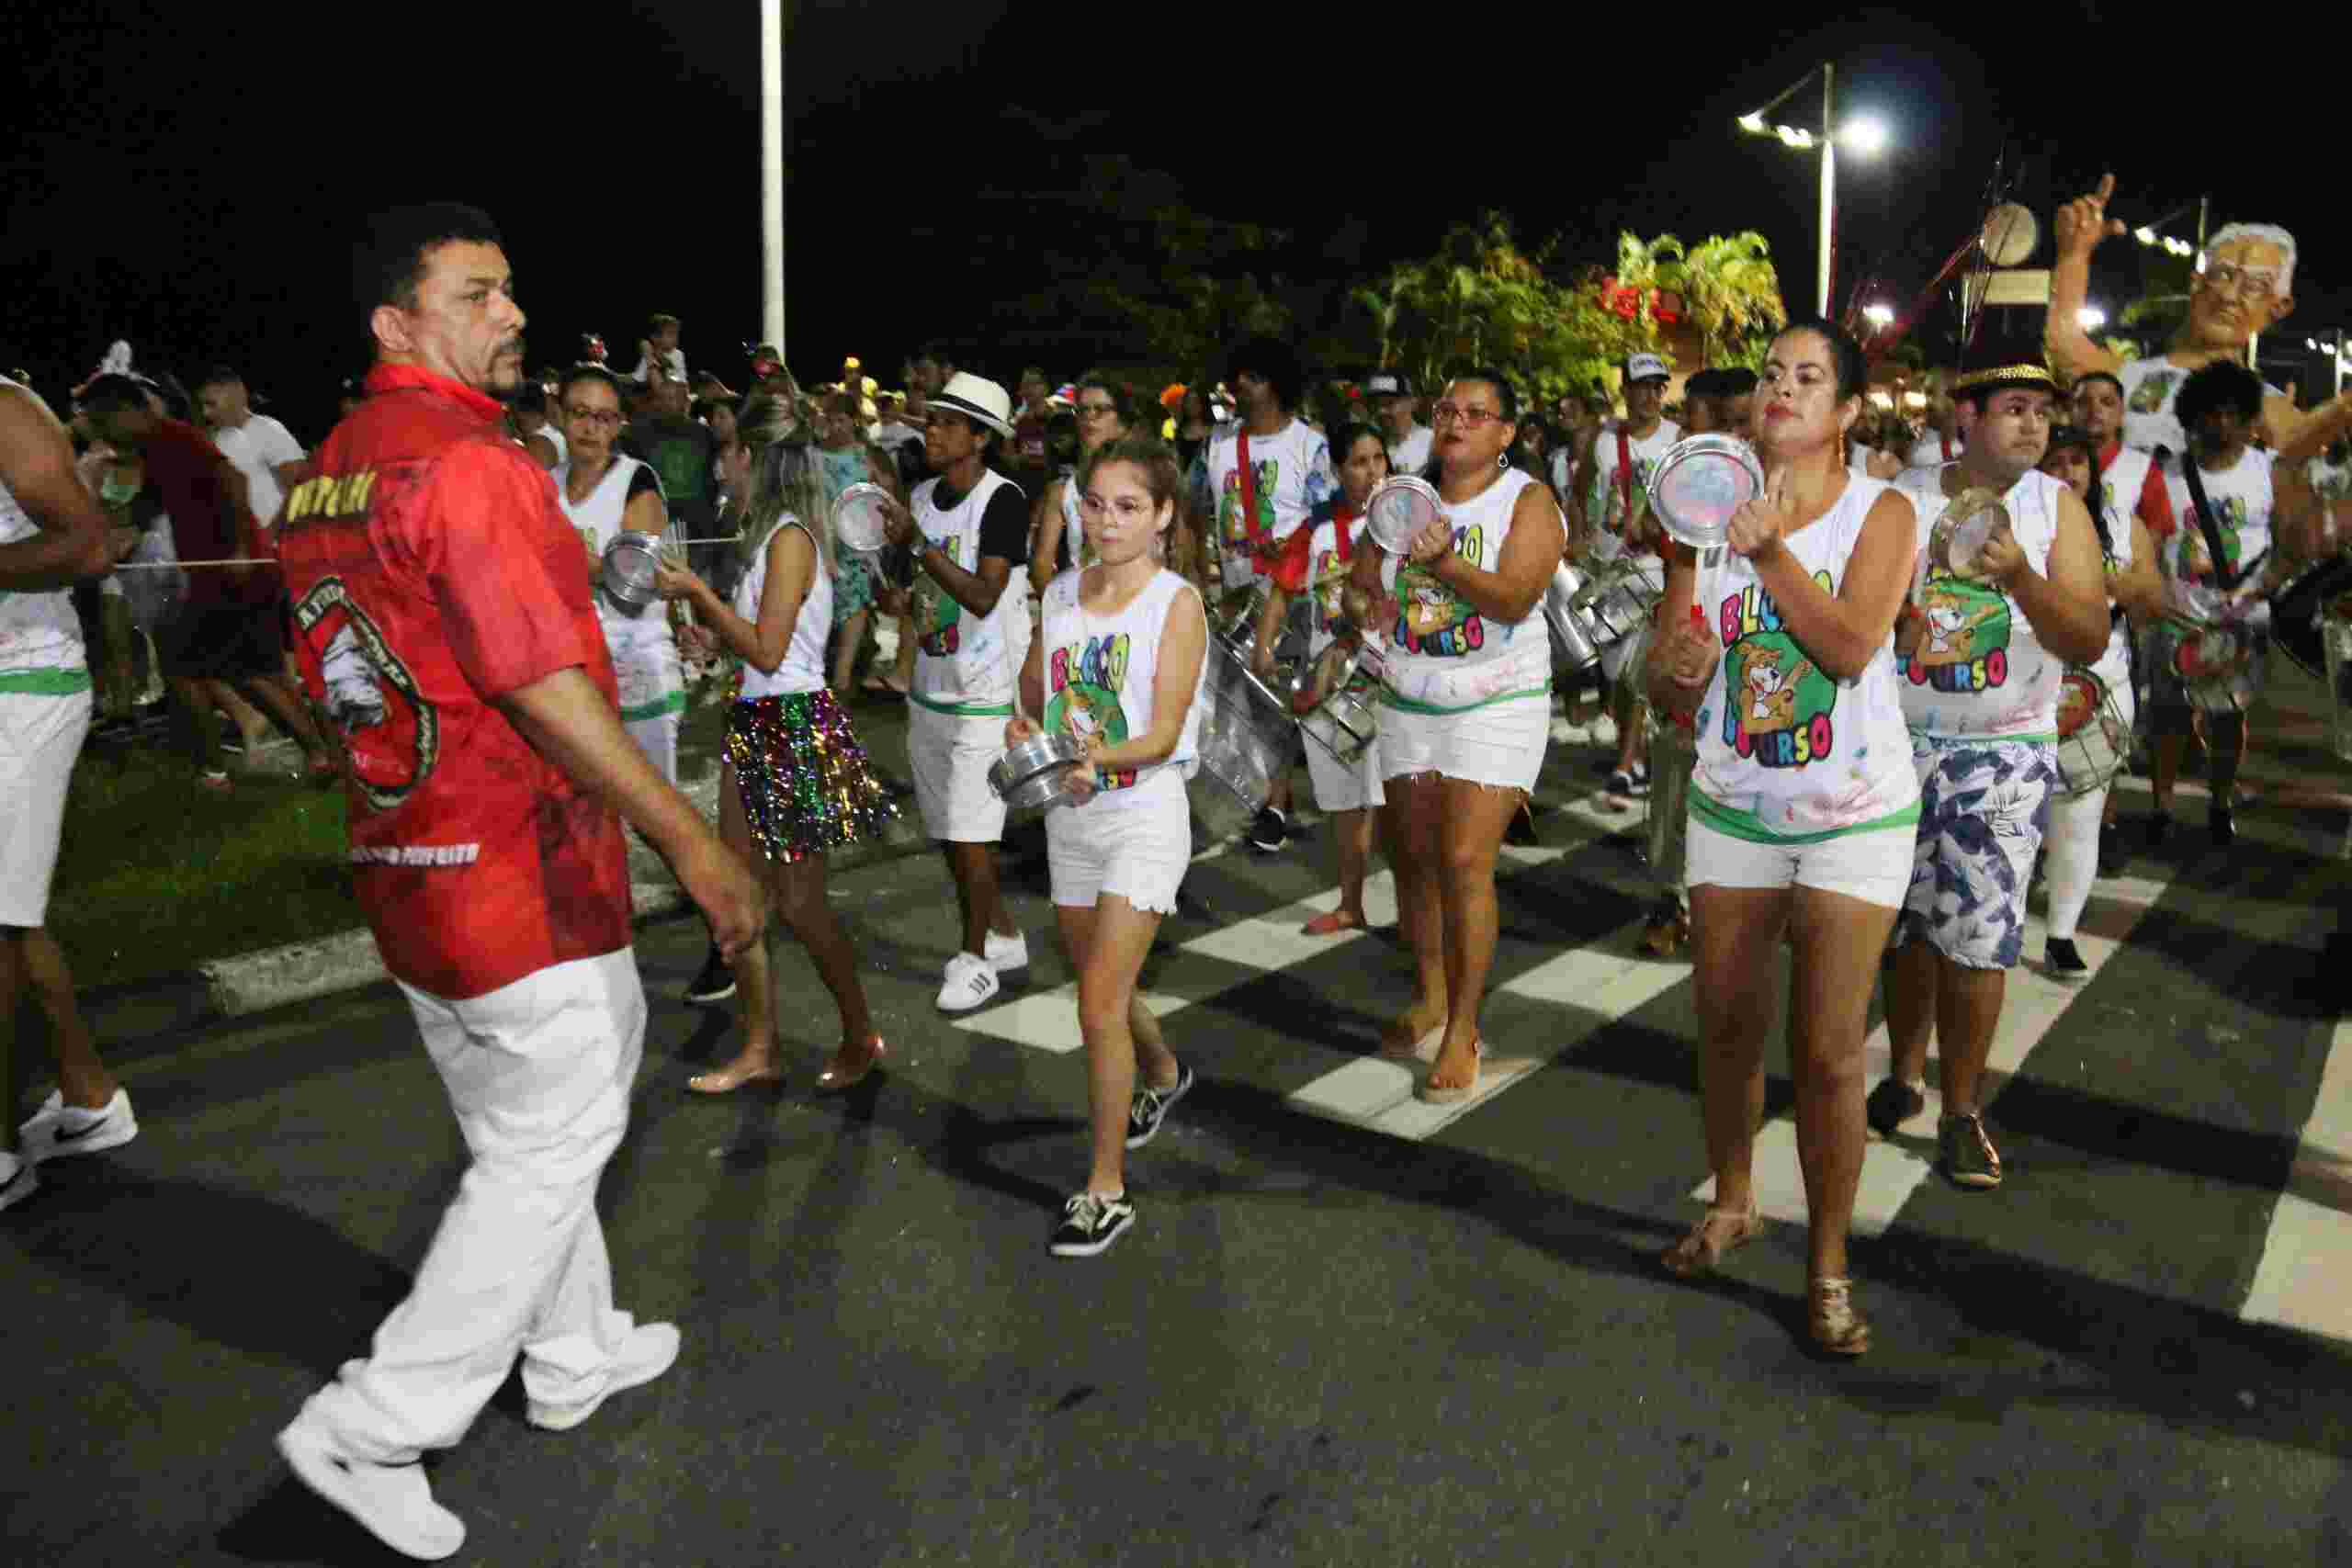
x=1699, y=483
x=1397, y=510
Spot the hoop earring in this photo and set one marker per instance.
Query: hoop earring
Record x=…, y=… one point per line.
x=1502, y=459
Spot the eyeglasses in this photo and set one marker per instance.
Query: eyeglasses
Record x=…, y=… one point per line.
x=2247, y=283
x=1471, y=418
x=609, y=419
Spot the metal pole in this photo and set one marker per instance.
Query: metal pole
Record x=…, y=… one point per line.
x=771, y=173
x=1829, y=184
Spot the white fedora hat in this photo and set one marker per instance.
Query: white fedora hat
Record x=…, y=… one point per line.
x=977, y=397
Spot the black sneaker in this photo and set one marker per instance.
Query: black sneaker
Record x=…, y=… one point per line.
x=1150, y=1106
x=1967, y=1154
x=2159, y=829
x=1890, y=1104
x=1637, y=782
x=2222, y=824
x=714, y=984
x=1270, y=831
x=2062, y=961
x=2112, y=856
x=1091, y=1224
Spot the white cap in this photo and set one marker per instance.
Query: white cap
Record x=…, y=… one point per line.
x=1646, y=367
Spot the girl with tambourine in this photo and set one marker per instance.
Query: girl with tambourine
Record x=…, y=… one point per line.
x=1802, y=803
x=1465, y=710
x=2079, y=823
x=1115, y=660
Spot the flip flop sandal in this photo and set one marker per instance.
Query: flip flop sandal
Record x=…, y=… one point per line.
x=1428, y=1093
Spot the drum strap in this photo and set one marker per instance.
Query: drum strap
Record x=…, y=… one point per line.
x=1250, y=528
x=2229, y=579
x=1624, y=480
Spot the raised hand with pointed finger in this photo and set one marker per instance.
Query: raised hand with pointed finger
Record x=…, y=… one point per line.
x=2083, y=222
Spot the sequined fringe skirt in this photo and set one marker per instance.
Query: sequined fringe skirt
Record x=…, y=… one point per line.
x=806, y=783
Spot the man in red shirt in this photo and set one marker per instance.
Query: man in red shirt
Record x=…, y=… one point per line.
x=445, y=626
x=230, y=634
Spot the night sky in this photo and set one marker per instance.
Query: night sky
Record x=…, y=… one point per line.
x=186, y=178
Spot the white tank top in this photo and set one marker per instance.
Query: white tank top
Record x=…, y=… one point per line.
x=1443, y=655
x=1073, y=531
x=40, y=638
x=1791, y=752
x=2119, y=489
x=1327, y=569
x=960, y=665
x=2242, y=499
x=1099, y=676
x=1981, y=671
x=803, y=669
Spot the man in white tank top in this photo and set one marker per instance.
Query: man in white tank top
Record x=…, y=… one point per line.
x=1981, y=657
x=51, y=535
x=1618, y=506
x=966, y=534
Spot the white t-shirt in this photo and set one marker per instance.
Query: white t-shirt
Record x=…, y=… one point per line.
x=1411, y=454
x=1605, y=497
x=644, y=650
x=1798, y=754
x=675, y=361
x=1292, y=476
x=803, y=669
x=2151, y=388
x=256, y=448
x=1982, y=671
x=2241, y=497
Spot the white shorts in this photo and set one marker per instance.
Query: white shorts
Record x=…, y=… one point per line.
x=1338, y=786
x=1501, y=744
x=950, y=755
x=1874, y=866
x=1136, y=848
x=657, y=738
x=39, y=738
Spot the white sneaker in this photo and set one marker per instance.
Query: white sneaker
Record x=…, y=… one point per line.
x=1006, y=954
x=394, y=1501
x=970, y=981
x=18, y=1179
x=1567, y=734
x=1603, y=732
x=650, y=1350
x=58, y=1129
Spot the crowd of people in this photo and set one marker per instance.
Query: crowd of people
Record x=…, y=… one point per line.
x=1852, y=728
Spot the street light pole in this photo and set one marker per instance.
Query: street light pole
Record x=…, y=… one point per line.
x=1828, y=186
x=771, y=173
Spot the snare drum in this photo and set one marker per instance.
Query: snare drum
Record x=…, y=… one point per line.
x=2093, y=740
x=1574, y=648
x=2207, y=662
x=1617, y=604
x=1337, y=696
x=1035, y=772
x=1247, y=732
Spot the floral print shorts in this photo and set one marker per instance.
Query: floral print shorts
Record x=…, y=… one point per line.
x=1983, y=806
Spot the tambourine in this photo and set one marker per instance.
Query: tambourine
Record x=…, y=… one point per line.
x=1699, y=483
x=1956, y=544
x=627, y=574
x=861, y=516
x=1398, y=510
x=1036, y=770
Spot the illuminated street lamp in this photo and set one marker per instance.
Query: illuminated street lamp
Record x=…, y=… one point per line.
x=1878, y=315
x=1863, y=136
x=2091, y=317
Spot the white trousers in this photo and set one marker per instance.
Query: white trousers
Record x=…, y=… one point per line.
x=2072, y=850
x=657, y=738
x=539, y=1073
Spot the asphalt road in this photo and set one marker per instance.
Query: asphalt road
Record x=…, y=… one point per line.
x=1344, y=1330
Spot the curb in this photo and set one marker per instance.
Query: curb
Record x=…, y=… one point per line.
x=247, y=982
